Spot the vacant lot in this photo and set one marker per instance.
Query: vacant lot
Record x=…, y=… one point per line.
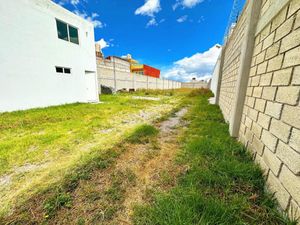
x=38, y=147
x=167, y=159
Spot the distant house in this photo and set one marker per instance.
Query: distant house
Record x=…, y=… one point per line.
x=47, y=56
x=145, y=70
x=142, y=69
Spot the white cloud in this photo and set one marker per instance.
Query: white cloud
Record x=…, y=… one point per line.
x=75, y=2
x=186, y=3
x=95, y=15
x=72, y=2
x=103, y=43
x=149, y=8
x=92, y=19
x=199, y=65
x=182, y=19
x=152, y=22
x=201, y=19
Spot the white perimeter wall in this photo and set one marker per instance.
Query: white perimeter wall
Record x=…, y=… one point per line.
x=30, y=50
x=196, y=84
x=126, y=80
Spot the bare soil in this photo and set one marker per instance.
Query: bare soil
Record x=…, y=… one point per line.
x=146, y=98
x=148, y=167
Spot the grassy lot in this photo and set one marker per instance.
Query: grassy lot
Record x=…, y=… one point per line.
x=212, y=181
x=222, y=184
x=39, y=147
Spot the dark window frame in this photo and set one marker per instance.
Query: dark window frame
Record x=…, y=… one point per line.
x=68, y=31
x=63, y=70
x=59, y=69
x=67, y=71
x=77, y=33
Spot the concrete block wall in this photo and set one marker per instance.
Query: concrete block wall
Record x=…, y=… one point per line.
x=215, y=77
x=195, y=84
x=271, y=123
x=122, y=79
x=231, y=66
x=270, y=120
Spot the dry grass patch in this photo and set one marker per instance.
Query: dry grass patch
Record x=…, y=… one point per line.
x=40, y=147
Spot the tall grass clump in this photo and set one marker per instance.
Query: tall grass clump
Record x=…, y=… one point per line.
x=143, y=134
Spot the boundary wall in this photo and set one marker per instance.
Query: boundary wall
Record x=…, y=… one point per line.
x=195, y=84
x=116, y=76
x=258, y=91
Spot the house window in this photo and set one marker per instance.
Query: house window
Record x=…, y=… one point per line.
x=63, y=70
x=67, y=70
x=62, y=30
x=59, y=69
x=73, y=35
x=67, y=32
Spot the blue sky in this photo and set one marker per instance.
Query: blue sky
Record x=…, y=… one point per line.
x=176, y=36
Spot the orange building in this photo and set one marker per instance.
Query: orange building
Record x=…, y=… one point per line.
x=145, y=70
x=134, y=65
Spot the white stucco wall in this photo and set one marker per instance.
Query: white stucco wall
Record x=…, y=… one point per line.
x=30, y=49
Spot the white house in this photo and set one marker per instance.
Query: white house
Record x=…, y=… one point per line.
x=47, y=56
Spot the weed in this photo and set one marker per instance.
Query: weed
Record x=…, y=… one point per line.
x=53, y=204
x=201, y=91
x=98, y=217
x=155, y=92
x=114, y=193
x=110, y=212
x=81, y=221
x=143, y=134
x=166, y=178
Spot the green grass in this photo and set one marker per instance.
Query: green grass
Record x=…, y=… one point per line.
x=55, y=203
x=145, y=92
x=63, y=195
x=40, y=147
x=143, y=134
x=222, y=184
x=25, y=135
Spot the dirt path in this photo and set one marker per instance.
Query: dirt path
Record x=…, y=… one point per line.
x=110, y=196
x=149, y=164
